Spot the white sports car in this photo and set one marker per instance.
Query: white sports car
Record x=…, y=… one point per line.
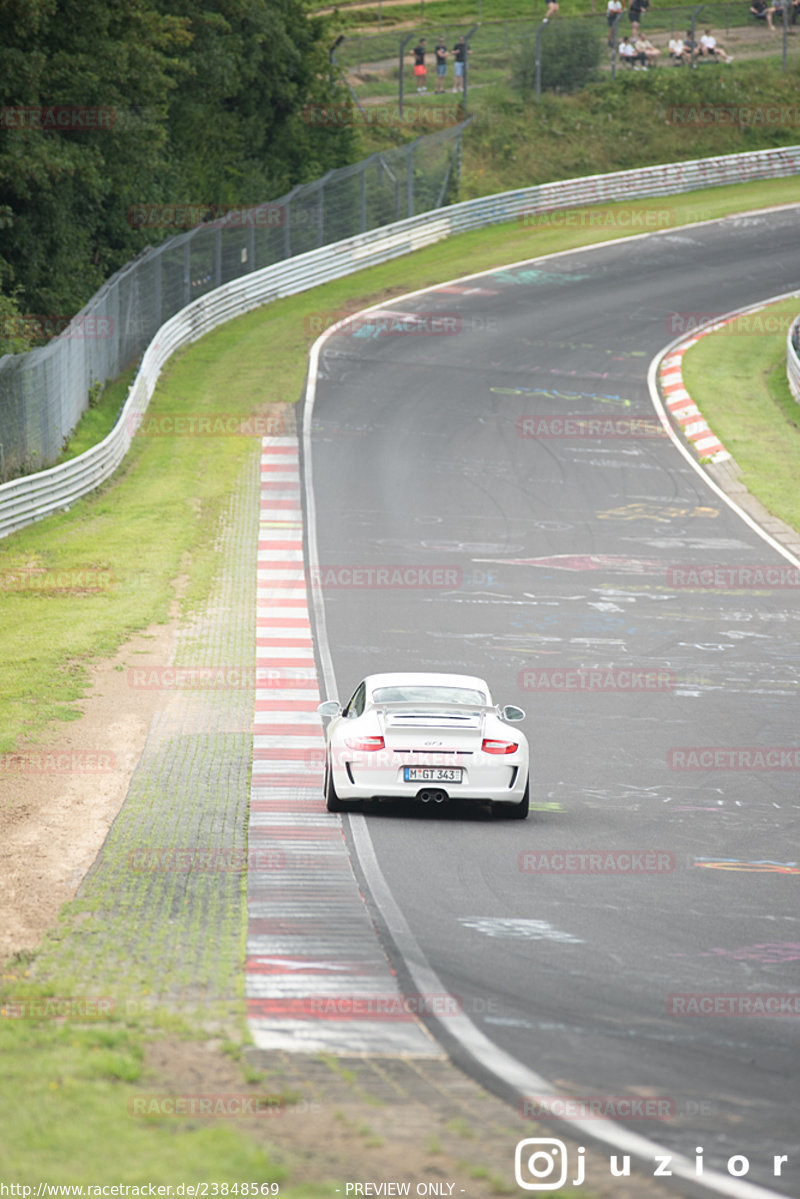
x=429, y=737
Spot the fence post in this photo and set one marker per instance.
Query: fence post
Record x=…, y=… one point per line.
x=218, y=256
x=401, y=84
x=614, y=29
x=467, y=36
x=694, y=40
x=539, y=33
x=187, y=272
x=785, y=34
x=410, y=181
x=363, y=197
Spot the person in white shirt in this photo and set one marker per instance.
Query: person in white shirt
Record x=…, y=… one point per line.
x=613, y=10
x=627, y=51
x=710, y=48
x=678, y=50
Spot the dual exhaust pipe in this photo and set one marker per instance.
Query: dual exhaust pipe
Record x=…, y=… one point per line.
x=432, y=796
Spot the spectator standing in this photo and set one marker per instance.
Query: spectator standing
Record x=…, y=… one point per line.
x=636, y=12
x=552, y=10
x=460, y=52
x=441, y=65
x=613, y=9
x=420, y=69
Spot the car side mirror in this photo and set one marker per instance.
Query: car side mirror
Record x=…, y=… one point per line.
x=331, y=707
x=512, y=713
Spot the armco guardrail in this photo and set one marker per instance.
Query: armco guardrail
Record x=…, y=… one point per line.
x=793, y=358
x=35, y=496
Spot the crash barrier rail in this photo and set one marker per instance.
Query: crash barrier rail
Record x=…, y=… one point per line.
x=793, y=358
x=44, y=392
x=34, y=496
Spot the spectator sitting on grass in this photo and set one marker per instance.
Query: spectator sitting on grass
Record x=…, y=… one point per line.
x=679, y=51
x=627, y=51
x=762, y=11
x=710, y=48
x=648, y=54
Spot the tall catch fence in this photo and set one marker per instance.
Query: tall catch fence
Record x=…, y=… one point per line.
x=371, y=61
x=44, y=393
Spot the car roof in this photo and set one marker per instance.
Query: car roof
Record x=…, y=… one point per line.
x=425, y=679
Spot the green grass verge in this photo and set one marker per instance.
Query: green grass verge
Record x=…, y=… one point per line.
x=64, y=1089
x=737, y=378
x=100, y=418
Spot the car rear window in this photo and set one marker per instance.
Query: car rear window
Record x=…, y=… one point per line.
x=427, y=695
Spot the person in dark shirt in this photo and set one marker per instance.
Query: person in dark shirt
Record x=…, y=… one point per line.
x=441, y=53
x=460, y=52
x=636, y=12
x=420, y=70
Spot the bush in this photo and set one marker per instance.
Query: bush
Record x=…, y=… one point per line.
x=570, y=55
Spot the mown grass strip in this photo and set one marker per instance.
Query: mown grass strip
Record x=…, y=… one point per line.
x=737, y=378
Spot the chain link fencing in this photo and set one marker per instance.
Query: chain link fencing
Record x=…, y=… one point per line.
x=44, y=393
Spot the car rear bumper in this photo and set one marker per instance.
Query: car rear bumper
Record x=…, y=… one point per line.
x=498, y=782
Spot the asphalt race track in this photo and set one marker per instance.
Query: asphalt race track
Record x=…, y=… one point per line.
x=542, y=555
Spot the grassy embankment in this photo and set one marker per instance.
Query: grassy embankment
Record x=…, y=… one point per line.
x=737, y=377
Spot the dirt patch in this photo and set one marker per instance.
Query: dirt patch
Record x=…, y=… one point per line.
x=59, y=796
x=377, y=1119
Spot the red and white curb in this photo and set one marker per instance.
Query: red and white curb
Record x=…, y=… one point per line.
x=680, y=404
x=316, y=978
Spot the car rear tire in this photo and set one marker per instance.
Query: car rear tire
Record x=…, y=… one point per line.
x=332, y=801
x=517, y=811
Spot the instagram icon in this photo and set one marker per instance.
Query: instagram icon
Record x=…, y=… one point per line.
x=540, y=1164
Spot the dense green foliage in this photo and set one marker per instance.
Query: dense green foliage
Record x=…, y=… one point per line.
x=569, y=59
x=197, y=102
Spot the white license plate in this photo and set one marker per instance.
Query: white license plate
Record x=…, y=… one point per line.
x=432, y=774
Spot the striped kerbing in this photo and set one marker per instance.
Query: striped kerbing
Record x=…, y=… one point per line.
x=316, y=978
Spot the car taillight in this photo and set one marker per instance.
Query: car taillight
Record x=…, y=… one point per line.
x=490, y=746
x=368, y=743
